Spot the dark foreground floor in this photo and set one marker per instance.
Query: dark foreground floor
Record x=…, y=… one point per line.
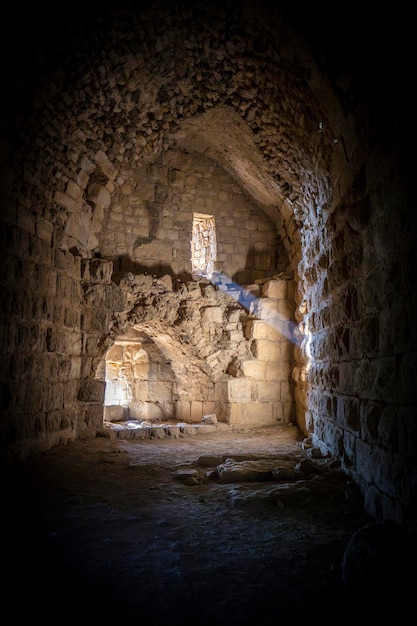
x=110, y=531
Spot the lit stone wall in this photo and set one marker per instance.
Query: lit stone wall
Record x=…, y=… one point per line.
x=360, y=397
x=139, y=383
x=202, y=351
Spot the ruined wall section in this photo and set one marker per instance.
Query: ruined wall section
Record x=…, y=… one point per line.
x=140, y=383
x=258, y=389
x=230, y=348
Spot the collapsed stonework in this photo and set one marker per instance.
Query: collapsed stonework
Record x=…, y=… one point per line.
x=205, y=347
x=229, y=350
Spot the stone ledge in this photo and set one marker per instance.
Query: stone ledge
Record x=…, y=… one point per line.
x=133, y=429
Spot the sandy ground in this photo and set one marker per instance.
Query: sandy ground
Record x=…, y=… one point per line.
x=108, y=530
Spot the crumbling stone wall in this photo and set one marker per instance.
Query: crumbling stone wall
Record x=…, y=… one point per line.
x=230, y=348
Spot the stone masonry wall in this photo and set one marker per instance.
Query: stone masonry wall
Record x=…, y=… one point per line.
x=359, y=294
x=42, y=342
x=148, y=226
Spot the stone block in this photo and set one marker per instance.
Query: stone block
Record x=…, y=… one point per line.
x=289, y=412
x=188, y=430
x=267, y=351
x=67, y=202
x=258, y=413
x=234, y=336
x=287, y=393
x=153, y=411
x=113, y=413
x=255, y=329
x=173, y=431
x=160, y=390
x=183, y=410
x=44, y=229
x=209, y=408
x=74, y=190
x=275, y=289
x=278, y=412
x=91, y=391
x=100, y=271
x=278, y=371
x=139, y=433
x=115, y=354
x=196, y=411
x=234, y=413
x=140, y=370
x=267, y=308
x=212, y=314
x=268, y=391
x=238, y=389
x=157, y=432
x=252, y=368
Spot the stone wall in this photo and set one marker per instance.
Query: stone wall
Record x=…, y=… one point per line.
x=148, y=226
x=140, y=383
x=216, y=348
x=42, y=341
x=358, y=287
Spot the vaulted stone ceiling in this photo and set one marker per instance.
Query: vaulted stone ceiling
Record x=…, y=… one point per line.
x=268, y=91
x=229, y=80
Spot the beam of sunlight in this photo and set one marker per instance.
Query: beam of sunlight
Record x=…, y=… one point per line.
x=287, y=327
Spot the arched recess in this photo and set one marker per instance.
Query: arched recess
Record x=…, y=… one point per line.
x=140, y=383
x=151, y=376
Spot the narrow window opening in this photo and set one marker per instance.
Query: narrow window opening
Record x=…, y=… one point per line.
x=203, y=244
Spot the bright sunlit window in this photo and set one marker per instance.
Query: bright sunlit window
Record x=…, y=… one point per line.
x=203, y=244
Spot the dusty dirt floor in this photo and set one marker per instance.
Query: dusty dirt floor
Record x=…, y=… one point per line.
x=149, y=532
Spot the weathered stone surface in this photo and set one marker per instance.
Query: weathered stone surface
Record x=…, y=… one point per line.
x=299, y=493
x=245, y=471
